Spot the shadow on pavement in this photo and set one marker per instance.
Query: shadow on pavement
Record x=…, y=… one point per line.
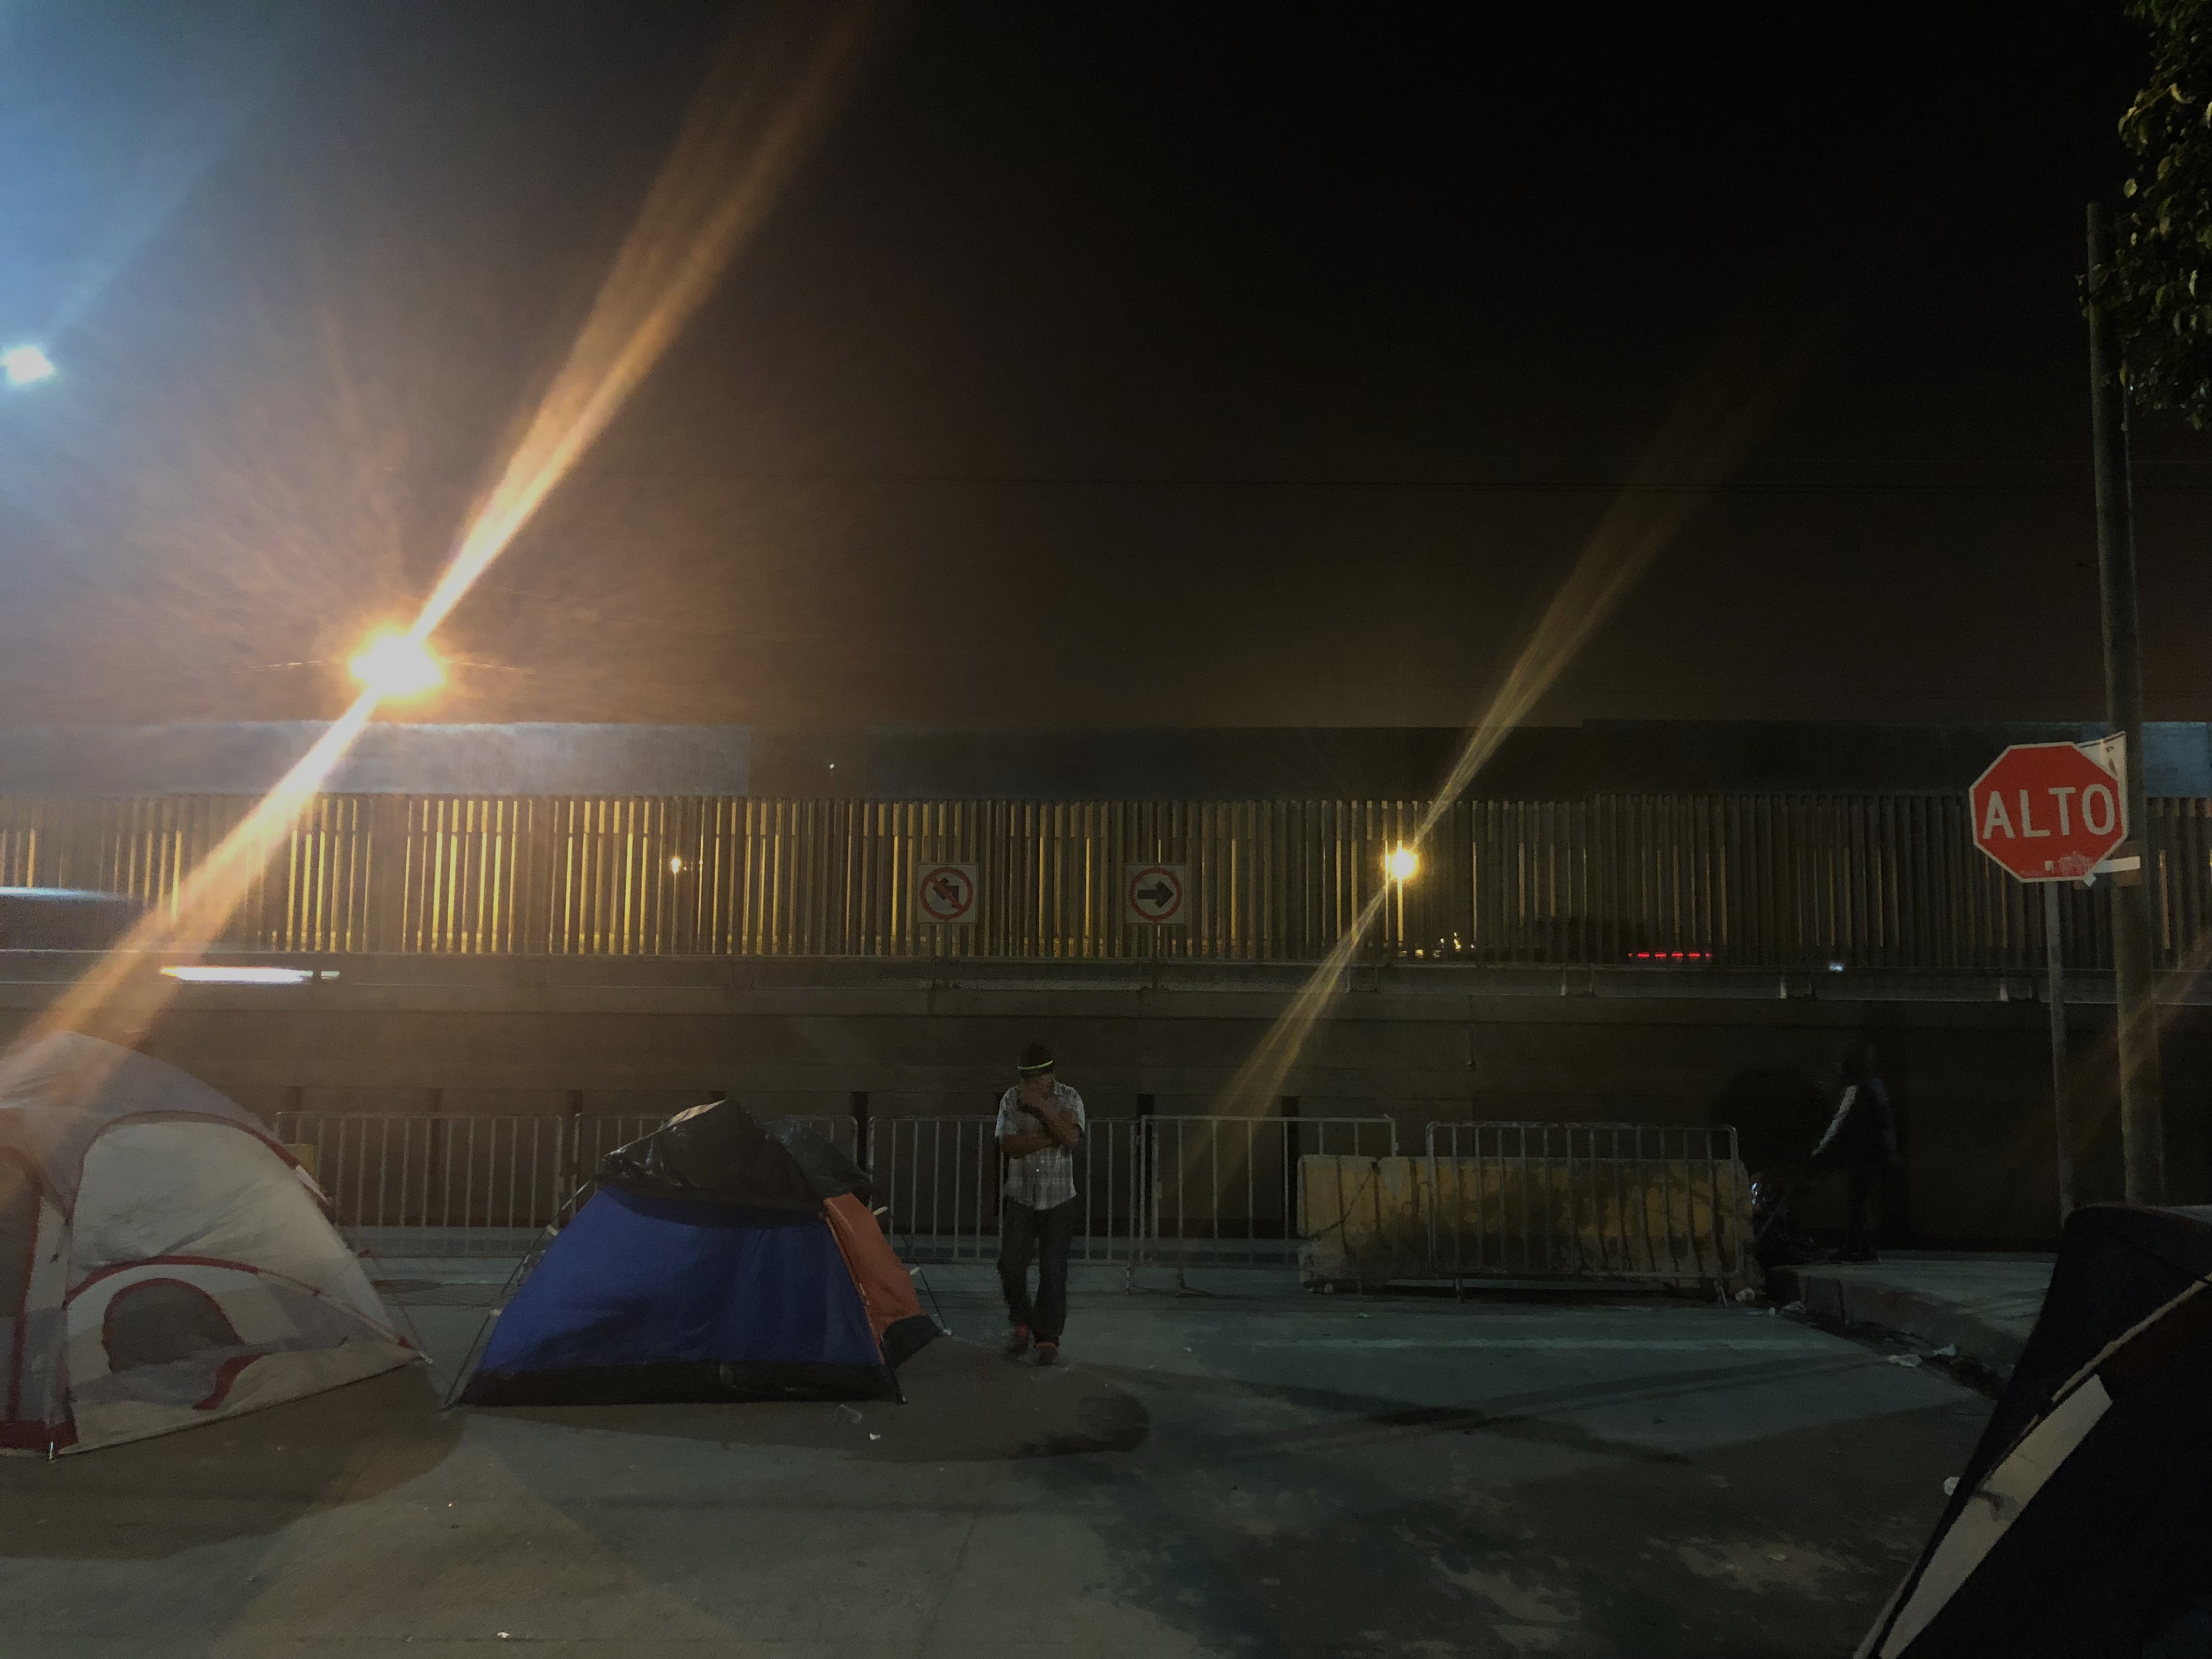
x=1436, y=1539
x=233, y=1478
x=965, y=1404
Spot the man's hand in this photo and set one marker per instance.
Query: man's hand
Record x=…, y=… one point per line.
x=1039, y=1100
x=1060, y=1126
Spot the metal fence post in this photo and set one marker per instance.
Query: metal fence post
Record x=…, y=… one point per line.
x=1143, y=1191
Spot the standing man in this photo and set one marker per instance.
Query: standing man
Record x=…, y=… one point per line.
x=1862, y=1141
x=1041, y=1124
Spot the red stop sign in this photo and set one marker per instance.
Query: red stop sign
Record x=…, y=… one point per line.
x=2046, y=811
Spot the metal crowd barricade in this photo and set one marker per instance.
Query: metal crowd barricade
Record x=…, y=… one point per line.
x=938, y=1178
x=1227, y=1191
x=1584, y=1200
x=426, y=1185
x=1172, y=1191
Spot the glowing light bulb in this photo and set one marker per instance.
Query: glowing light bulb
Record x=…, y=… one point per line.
x=1399, y=863
x=26, y=365
x=396, y=665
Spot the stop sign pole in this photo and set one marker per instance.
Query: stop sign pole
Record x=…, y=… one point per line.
x=2048, y=813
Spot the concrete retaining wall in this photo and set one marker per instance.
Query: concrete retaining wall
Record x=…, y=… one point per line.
x=462, y=1035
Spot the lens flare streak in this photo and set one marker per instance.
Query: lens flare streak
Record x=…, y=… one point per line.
x=764, y=100
x=1702, y=438
x=203, y=900
x=719, y=181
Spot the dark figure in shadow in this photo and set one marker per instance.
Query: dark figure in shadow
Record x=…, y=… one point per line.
x=1861, y=1141
x=1774, y=1236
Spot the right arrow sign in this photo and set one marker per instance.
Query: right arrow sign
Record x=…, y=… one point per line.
x=2047, y=813
x=1156, y=893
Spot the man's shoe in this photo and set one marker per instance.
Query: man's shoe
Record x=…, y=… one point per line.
x=1018, y=1340
x=1048, y=1353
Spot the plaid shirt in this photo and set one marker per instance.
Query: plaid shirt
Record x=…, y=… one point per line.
x=1047, y=1179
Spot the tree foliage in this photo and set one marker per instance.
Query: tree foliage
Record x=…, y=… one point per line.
x=2158, y=286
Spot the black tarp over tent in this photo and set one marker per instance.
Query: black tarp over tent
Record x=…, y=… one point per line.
x=721, y=1153
x=2082, y=1524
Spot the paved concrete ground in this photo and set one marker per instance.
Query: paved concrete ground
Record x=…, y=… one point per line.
x=1982, y=1305
x=1251, y=1472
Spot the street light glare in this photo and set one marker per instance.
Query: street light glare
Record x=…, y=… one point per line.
x=26, y=365
x=1400, y=864
x=396, y=665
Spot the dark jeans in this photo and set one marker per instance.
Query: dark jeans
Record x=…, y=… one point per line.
x=1044, y=1234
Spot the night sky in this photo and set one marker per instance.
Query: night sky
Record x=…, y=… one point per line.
x=1102, y=366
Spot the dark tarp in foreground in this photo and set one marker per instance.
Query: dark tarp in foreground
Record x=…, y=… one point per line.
x=2081, y=1526
x=723, y=1258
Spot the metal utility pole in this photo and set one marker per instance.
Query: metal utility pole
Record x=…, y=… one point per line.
x=2142, y=1140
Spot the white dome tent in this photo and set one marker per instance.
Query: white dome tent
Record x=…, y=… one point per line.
x=164, y=1262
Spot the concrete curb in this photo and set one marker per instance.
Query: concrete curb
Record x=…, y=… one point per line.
x=1852, y=1297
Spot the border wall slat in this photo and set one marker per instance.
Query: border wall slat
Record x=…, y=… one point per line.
x=1772, y=881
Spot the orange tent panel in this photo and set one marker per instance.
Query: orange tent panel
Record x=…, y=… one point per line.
x=886, y=1288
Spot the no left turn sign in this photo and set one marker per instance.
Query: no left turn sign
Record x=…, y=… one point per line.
x=1156, y=893
x=945, y=893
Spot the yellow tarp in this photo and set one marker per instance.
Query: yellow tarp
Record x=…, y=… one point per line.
x=1369, y=1219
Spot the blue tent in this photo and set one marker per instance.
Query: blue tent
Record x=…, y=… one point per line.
x=647, y=1296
